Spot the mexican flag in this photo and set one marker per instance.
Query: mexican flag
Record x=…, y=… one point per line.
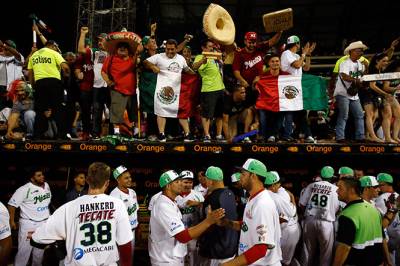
x=176, y=94
x=292, y=93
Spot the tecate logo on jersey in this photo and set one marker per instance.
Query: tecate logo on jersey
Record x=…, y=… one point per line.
x=78, y=253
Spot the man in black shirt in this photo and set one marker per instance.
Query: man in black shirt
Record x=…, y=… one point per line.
x=235, y=111
x=218, y=244
x=79, y=187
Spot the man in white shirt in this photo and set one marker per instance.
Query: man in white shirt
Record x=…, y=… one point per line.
x=11, y=63
x=168, y=235
x=260, y=232
x=95, y=226
x=350, y=72
x=5, y=235
x=33, y=199
x=320, y=204
x=128, y=196
x=169, y=67
x=294, y=64
x=189, y=203
x=202, y=186
x=286, y=208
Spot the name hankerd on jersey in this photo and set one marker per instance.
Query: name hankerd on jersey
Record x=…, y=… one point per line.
x=96, y=212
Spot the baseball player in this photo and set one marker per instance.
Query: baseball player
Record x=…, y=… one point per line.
x=202, y=186
x=189, y=202
x=260, y=233
x=33, y=199
x=320, y=204
x=127, y=195
x=345, y=171
x=369, y=189
x=5, y=235
x=153, y=200
x=95, y=226
x=168, y=235
x=286, y=208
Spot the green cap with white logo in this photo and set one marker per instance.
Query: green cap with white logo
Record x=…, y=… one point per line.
x=119, y=171
x=293, y=39
x=168, y=177
x=272, y=178
x=368, y=181
x=256, y=167
x=214, y=173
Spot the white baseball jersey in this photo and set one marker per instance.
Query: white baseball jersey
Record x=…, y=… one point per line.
x=261, y=226
x=5, y=230
x=201, y=189
x=153, y=200
x=190, y=215
x=131, y=204
x=92, y=226
x=285, y=208
x=321, y=201
x=165, y=223
x=380, y=202
x=33, y=201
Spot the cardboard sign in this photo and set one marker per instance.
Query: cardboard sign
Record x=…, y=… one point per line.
x=383, y=76
x=278, y=20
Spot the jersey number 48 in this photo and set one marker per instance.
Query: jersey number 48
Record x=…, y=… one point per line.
x=320, y=200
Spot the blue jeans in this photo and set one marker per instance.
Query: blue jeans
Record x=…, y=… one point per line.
x=344, y=105
x=29, y=121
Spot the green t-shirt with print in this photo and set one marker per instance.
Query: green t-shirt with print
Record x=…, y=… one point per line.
x=211, y=79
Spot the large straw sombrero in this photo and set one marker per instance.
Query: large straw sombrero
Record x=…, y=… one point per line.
x=218, y=25
x=114, y=38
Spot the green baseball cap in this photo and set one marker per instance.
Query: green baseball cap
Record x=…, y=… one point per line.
x=293, y=39
x=256, y=167
x=272, y=178
x=385, y=177
x=214, y=173
x=327, y=172
x=168, y=177
x=368, y=181
x=119, y=171
x=235, y=177
x=344, y=170
x=145, y=39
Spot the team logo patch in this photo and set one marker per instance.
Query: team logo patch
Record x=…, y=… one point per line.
x=77, y=253
x=174, y=67
x=243, y=247
x=245, y=228
x=290, y=92
x=167, y=95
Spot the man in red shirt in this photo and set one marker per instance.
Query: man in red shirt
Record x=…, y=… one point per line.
x=84, y=73
x=248, y=63
x=119, y=72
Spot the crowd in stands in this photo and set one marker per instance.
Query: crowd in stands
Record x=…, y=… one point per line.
x=92, y=93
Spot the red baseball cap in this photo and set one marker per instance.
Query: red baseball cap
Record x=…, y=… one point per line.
x=251, y=35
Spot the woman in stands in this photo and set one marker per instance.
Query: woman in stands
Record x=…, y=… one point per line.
x=376, y=99
x=393, y=87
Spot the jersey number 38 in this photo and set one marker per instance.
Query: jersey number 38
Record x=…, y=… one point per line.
x=100, y=233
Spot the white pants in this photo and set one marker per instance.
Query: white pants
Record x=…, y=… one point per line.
x=175, y=262
x=212, y=262
x=317, y=233
x=290, y=237
x=26, y=228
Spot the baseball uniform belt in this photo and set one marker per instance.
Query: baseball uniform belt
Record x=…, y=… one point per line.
x=33, y=220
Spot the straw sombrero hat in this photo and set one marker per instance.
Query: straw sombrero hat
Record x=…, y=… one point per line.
x=218, y=25
x=355, y=45
x=114, y=38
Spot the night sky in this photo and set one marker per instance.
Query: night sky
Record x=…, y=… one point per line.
x=58, y=15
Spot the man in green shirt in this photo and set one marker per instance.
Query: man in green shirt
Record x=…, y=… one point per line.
x=212, y=90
